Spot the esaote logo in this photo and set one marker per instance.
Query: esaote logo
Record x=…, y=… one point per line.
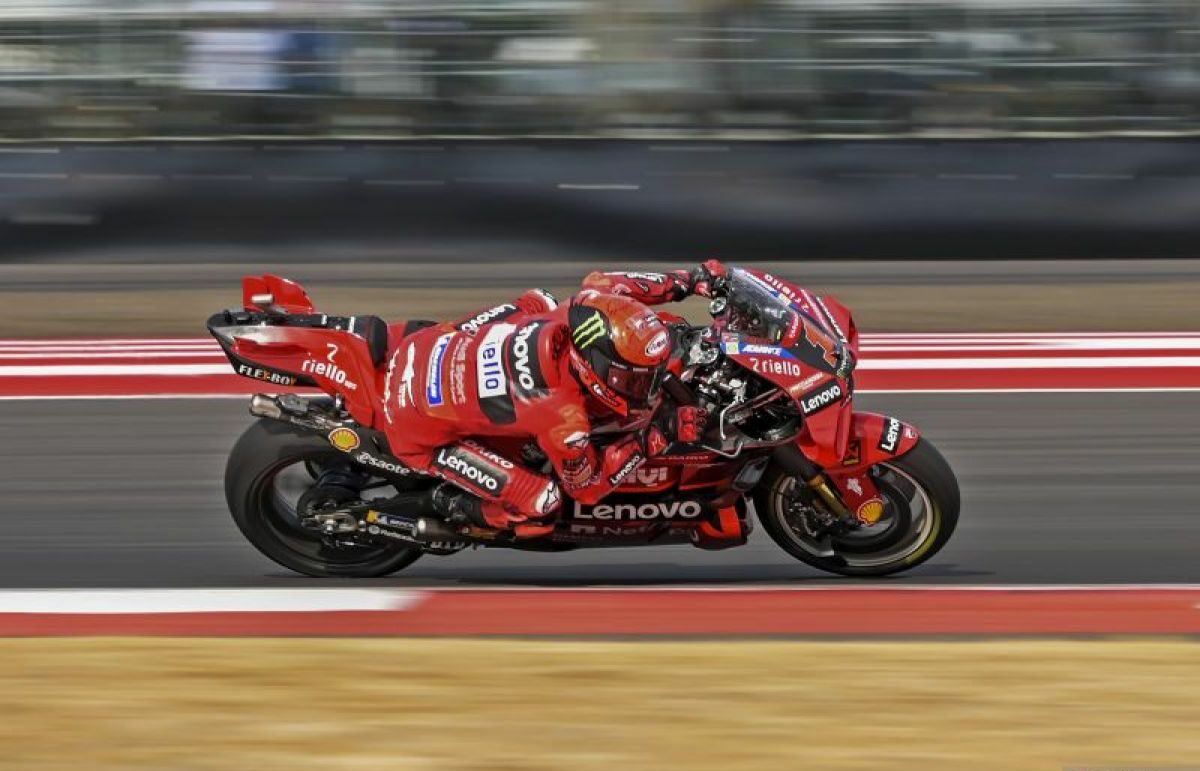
x=329, y=369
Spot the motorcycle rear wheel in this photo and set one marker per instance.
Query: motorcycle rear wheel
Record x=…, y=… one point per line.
x=921, y=516
x=261, y=467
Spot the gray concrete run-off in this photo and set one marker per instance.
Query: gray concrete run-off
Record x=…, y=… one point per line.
x=1057, y=488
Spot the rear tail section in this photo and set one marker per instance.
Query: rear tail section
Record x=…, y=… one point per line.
x=279, y=338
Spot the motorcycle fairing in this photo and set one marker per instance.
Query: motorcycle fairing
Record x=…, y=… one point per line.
x=286, y=295
x=871, y=438
x=313, y=349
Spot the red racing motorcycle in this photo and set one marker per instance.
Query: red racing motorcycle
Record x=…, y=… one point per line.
x=313, y=486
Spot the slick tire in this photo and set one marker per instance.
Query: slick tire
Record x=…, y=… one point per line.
x=919, y=528
x=263, y=451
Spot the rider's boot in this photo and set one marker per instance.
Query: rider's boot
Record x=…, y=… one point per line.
x=462, y=509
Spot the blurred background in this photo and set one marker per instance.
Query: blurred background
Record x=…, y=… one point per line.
x=315, y=130
x=751, y=68
x=610, y=129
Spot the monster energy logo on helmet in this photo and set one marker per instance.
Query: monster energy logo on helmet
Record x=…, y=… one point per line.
x=591, y=330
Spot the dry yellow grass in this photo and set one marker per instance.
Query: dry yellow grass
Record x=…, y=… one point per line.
x=176, y=705
x=1007, y=307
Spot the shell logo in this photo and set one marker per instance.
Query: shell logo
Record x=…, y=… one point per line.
x=344, y=439
x=870, y=512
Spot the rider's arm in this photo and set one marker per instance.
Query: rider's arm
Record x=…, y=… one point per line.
x=657, y=288
x=589, y=473
x=531, y=302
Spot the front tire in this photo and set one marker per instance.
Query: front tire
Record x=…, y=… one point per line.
x=922, y=514
x=270, y=457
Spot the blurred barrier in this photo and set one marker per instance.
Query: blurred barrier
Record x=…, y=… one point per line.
x=636, y=200
x=172, y=68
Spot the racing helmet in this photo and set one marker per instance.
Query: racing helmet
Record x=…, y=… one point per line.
x=619, y=349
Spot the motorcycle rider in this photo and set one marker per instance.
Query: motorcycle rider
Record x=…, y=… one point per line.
x=535, y=369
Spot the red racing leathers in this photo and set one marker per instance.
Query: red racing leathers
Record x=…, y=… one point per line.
x=506, y=372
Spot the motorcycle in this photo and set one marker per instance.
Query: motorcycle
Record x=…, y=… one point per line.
x=313, y=486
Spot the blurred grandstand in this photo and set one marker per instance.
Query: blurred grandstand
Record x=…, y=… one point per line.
x=758, y=68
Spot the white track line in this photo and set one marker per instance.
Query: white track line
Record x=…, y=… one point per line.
x=1094, y=362
x=1014, y=363
x=213, y=355
x=106, y=601
x=890, y=587
x=249, y=600
x=100, y=370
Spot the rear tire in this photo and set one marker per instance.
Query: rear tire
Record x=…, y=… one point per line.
x=920, y=527
x=266, y=449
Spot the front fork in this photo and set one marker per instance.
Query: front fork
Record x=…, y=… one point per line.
x=793, y=461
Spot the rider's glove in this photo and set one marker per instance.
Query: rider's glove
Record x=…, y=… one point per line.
x=709, y=277
x=689, y=423
x=654, y=441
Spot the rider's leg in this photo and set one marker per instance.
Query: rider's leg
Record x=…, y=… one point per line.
x=495, y=491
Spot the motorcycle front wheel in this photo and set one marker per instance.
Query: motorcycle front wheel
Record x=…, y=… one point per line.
x=268, y=478
x=923, y=503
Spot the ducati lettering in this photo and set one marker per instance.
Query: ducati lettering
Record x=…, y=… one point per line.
x=891, y=436
x=649, y=477
x=266, y=375
x=625, y=512
x=524, y=364
x=329, y=370
x=809, y=381
x=491, y=378
x=433, y=374
x=776, y=367
x=499, y=460
x=498, y=313
x=817, y=400
x=625, y=470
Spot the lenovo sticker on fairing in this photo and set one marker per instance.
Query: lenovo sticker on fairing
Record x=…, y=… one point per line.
x=891, y=436
x=818, y=399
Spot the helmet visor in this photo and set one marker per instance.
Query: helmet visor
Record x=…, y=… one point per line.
x=637, y=384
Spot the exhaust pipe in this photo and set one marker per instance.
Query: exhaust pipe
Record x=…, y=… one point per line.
x=430, y=529
x=264, y=406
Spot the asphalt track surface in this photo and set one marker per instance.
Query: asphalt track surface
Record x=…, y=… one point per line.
x=1057, y=488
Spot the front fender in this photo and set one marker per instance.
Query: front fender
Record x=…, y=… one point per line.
x=872, y=438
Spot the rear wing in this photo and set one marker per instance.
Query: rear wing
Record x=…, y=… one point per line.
x=274, y=294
